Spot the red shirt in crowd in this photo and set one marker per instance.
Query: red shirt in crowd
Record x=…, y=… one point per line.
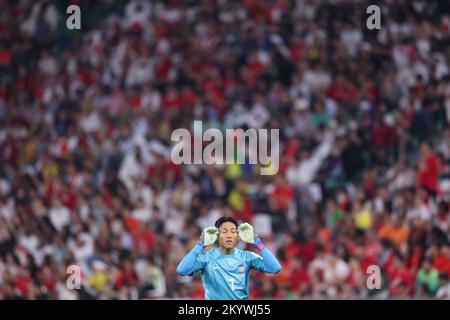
x=299, y=277
x=22, y=283
x=172, y=100
x=144, y=242
x=126, y=278
x=428, y=172
x=342, y=92
x=132, y=225
x=401, y=275
x=308, y=251
x=442, y=263
x=384, y=136
x=69, y=199
x=282, y=195
x=198, y=293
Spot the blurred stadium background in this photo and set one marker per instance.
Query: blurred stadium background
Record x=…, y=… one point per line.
x=86, y=117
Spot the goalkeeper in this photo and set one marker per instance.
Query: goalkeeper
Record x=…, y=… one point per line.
x=225, y=270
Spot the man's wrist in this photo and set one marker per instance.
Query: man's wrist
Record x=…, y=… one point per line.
x=200, y=245
x=259, y=245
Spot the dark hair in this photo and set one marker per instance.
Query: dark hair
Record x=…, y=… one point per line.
x=224, y=219
x=443, y=276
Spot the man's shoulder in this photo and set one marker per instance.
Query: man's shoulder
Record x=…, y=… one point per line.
x=209, y=253
x=247, y=254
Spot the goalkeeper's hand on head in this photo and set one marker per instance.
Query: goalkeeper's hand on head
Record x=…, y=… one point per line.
x=208, y=236
x=249, y=235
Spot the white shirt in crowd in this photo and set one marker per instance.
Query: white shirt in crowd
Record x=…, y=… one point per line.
x=444, y=292
x=59, y=217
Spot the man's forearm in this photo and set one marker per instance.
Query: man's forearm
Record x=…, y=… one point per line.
x=186, y=265
x=270, y=261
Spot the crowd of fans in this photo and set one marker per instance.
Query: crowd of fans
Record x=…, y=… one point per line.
x=86, y=118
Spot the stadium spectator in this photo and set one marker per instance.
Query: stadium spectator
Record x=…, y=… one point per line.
x=86, y=118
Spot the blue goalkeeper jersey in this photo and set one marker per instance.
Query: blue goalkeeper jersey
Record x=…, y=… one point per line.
x=226, y=276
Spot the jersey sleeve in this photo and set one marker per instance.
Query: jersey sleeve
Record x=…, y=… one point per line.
x=192, y=262
x=199, y=264
x=266, y=262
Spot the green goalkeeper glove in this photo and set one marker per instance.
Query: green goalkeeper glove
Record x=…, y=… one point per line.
x=249, y=235
x=208, y=236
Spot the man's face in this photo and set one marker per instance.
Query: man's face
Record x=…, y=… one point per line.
x=228, y=235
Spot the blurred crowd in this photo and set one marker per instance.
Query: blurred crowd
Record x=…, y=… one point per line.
x=86, y=118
